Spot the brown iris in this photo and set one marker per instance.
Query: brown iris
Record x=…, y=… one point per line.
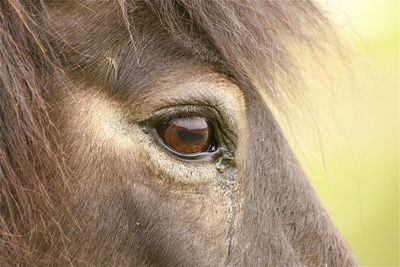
x=187, y=135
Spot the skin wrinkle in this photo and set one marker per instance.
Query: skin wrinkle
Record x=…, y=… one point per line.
x=104, y=129
x=228, y=105
x=85, y=185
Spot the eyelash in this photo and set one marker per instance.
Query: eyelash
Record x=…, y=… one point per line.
x=188, y=111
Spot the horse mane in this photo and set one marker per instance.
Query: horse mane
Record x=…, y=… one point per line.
x=248, y=40
x=29, y=212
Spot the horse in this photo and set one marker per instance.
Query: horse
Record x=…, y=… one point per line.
x=141, y=133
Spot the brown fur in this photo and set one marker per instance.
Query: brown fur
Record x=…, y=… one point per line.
x=69, y=195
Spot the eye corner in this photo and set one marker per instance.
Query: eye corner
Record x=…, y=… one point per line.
x=193, y=133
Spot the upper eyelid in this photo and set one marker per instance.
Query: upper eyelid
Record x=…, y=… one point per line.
x=173, y=111
x=140, y=101
x=210, y=92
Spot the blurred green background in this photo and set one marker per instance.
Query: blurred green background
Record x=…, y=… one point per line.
x=352, y=157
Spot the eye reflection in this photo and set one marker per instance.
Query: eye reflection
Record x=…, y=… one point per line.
x=187, y=135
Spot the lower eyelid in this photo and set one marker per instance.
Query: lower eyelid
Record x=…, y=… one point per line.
x=166, y=165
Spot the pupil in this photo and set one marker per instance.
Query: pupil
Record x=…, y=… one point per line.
x=186, y=136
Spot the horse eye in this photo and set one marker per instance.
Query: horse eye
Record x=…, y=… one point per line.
x=187, y=135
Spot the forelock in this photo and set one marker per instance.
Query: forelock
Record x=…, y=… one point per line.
x=252, y=41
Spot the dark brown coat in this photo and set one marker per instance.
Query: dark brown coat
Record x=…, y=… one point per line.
x=82, y=184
